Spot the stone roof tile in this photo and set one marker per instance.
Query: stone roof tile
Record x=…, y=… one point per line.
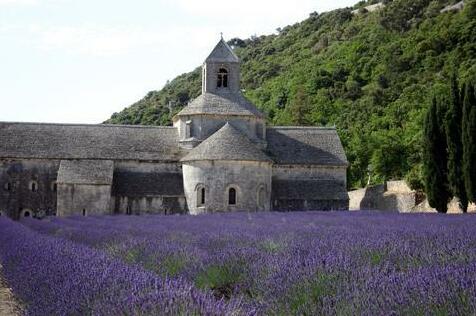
x=224, y=103
x=305, y=145
x=80, y=141
x=85, y=172
x=228, y=143
x=222, y=53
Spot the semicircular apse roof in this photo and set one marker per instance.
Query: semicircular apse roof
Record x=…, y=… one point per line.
x=228, y=143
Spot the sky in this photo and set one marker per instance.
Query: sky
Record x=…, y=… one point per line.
x=79, y=61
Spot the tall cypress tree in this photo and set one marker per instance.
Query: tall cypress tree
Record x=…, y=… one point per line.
x=469, y=141
x=455, y=145
x=435, y=159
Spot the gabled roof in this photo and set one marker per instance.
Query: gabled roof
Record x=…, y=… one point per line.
x=85, y=172
x=222, y=53
x=305, y=145
x=228, y=143
x=224, y=103
x=80, y=141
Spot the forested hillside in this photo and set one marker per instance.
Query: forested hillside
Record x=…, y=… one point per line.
x=370, y=74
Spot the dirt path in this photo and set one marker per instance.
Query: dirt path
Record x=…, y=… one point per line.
x=8, y=305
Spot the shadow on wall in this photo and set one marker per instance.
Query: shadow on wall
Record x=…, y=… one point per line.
x=372, y=198
x=393, y=196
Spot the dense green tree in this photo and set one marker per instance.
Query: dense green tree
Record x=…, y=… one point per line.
x=435, y=159
x=388, y=157
x=300, y=108
x=454, y=119
x=401, y=14
x=469, y=141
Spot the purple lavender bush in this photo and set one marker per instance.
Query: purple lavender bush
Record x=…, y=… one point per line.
x=277, y=263
x=54, y=276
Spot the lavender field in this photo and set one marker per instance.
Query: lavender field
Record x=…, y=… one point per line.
x=243, y=264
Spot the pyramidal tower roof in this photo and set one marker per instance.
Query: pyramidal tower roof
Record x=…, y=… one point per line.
x=222, y=53
x=228, y=143
x=221, y=104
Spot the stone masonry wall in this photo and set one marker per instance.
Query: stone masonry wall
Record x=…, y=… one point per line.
x=148, y=188
x=164, y=205
x=82, y=199
x=210, y=72
x=218, y=176
x=18, y=195
x=394, y=196
x=310, y=202
x=204, y=126
x=308, y=172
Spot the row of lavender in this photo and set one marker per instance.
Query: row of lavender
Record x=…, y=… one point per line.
x=274, y=263
x=54, y=276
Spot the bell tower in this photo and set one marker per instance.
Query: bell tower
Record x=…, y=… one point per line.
x=221, y=70
x=221, y=101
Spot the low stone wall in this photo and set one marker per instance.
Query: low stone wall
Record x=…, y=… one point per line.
x=370, y=198
x=398, y=186
x=453, y=207
x=396, y=196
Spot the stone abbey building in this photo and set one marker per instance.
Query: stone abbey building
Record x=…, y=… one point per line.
x=219, y=156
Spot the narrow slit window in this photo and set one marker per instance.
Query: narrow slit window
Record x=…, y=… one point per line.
x=33, y=186
x=201, y=197
x=232, y=196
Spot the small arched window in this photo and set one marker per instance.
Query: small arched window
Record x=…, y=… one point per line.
x=26, y=213
x=232, y=196
x=84, y=212
x=54, y=186
x=201, y=196
x=222, y=80
x=33, y=186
